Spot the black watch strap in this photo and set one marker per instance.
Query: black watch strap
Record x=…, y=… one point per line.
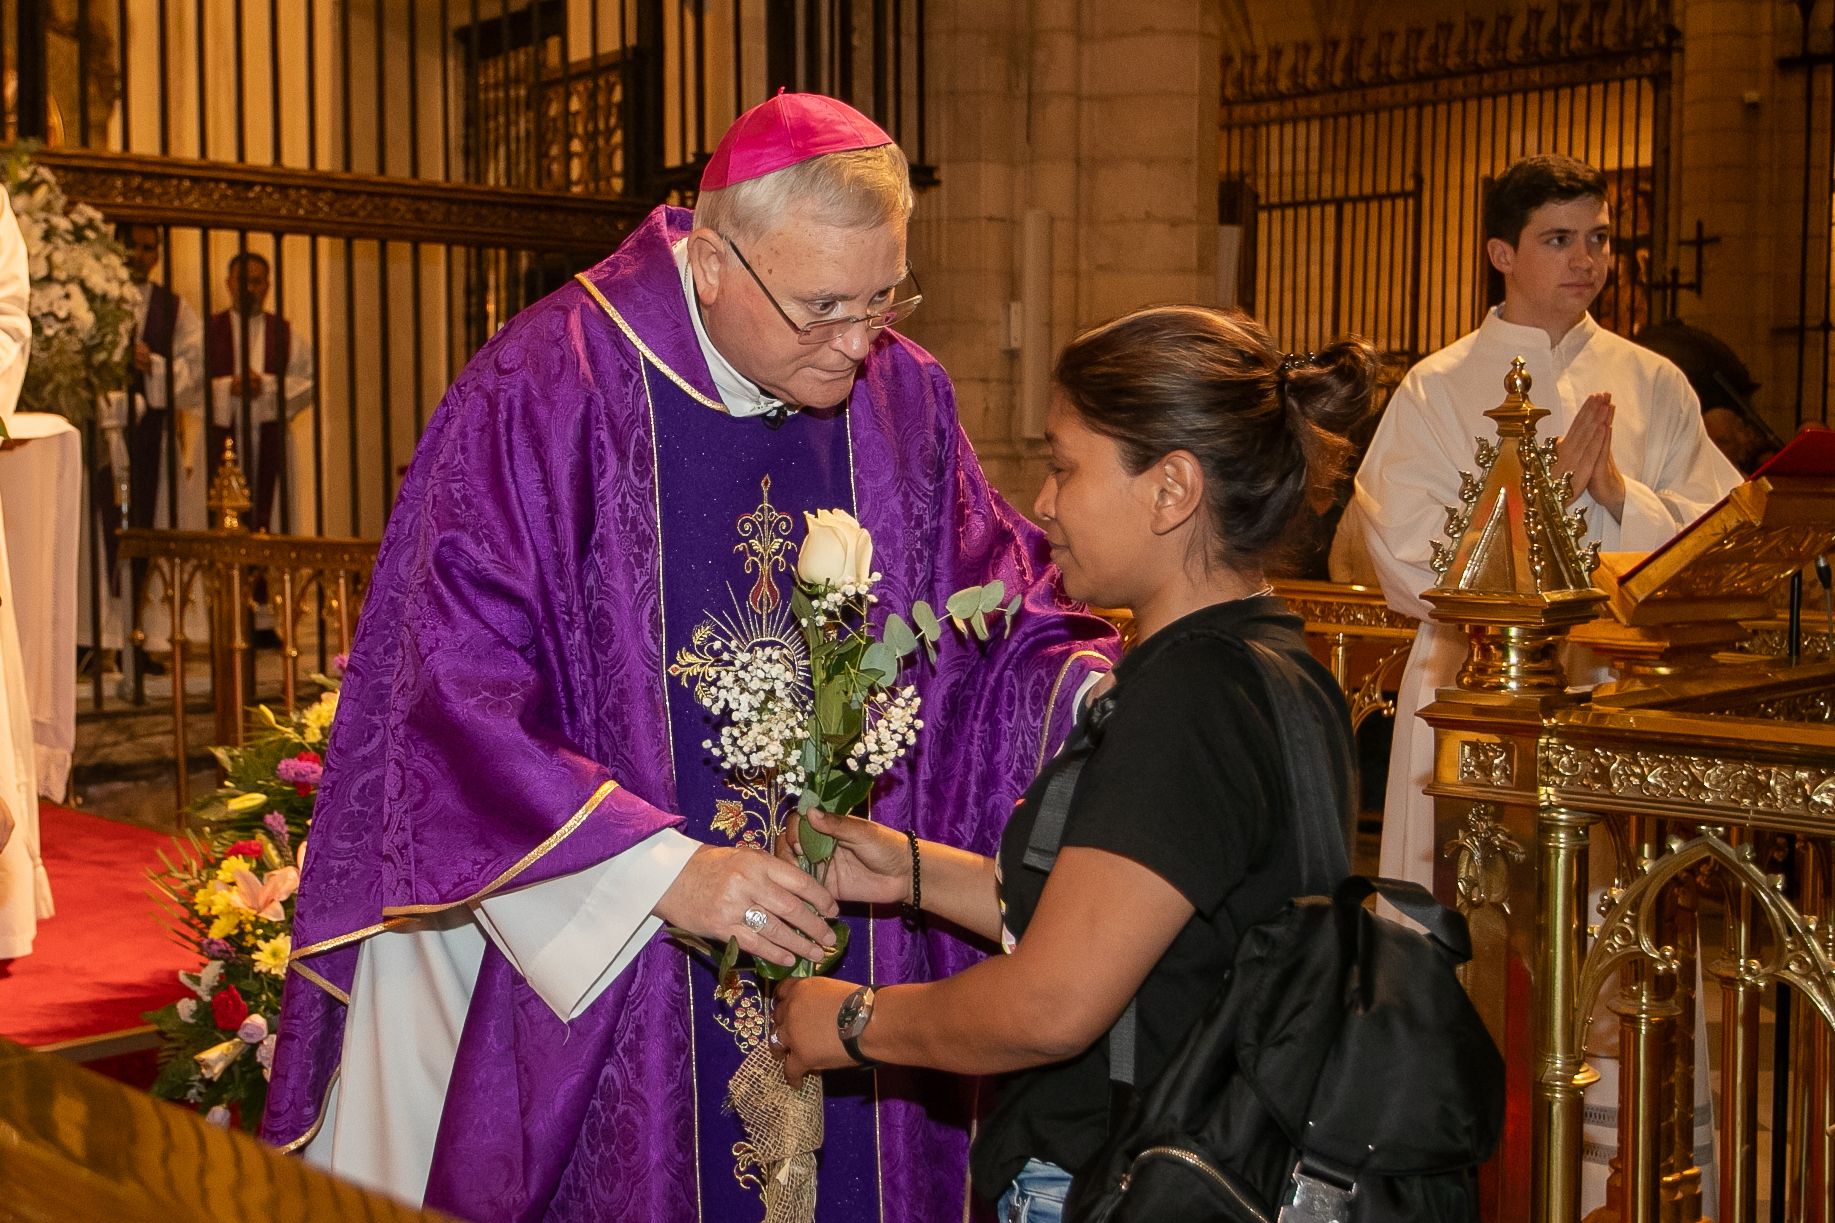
x=851, y=1021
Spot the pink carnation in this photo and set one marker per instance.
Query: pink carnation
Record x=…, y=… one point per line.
x=303, y=770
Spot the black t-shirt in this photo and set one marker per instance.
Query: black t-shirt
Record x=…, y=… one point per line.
x=1188, y=780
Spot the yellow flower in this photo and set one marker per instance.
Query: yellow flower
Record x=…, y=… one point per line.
x=226, y=923
x=317, y=718
x=245, y=803
x=271, y=954
x=226, y=871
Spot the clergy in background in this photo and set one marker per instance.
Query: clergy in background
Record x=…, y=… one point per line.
x=261, y=373
x=483, y=1011
x=1628, y=429
x=164, y=374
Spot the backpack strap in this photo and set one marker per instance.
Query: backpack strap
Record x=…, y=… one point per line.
x=1322, y=844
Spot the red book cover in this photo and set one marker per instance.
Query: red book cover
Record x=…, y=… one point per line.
x=1810, y=453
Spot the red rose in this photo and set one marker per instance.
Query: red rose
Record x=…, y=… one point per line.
x=244, y=849
x=228, y=1008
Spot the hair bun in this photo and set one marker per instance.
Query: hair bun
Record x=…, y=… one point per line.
x=1334, y=389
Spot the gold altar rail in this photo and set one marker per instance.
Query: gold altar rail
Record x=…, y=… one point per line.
x=74, y=1145
x=1728, y=791
x=1364, y=642
x=236, y=573
x=1635, y=803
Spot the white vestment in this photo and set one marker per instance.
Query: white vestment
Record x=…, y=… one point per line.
x=24, y=892
x=1673, y=474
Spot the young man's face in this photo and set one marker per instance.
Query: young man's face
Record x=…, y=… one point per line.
x=1559, y=264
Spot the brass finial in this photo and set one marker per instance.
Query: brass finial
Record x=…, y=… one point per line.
x=1517, y=382
x=229, y=495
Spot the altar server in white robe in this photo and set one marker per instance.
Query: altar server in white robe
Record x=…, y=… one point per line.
x=1629, y=430
x=25, y=893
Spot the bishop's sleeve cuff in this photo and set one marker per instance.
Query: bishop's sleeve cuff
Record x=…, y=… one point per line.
x=571, y=936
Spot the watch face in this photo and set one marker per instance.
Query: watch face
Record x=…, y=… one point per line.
x=851, y=1019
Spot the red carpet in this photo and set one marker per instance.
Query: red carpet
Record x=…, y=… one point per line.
x=106, y=957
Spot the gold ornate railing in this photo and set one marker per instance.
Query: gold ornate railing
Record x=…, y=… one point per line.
x=234, y=573
x=1606, y=848
x=1364, y=642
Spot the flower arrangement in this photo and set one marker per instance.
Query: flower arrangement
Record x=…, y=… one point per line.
x=819, y=714
x=82, y=303
x=229, y=890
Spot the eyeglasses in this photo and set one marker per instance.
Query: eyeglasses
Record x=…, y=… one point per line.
x=828, y=330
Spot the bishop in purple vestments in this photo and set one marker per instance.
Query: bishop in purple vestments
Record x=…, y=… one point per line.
x=483, y=1012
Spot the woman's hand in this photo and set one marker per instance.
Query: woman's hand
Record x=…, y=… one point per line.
x=803, y=1029
x=872, y=862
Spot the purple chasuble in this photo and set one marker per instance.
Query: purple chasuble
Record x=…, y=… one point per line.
x=508, y=717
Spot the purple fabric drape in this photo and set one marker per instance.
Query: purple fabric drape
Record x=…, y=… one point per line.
x=510, y=662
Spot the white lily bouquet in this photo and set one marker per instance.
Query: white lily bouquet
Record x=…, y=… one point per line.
x=818, y=713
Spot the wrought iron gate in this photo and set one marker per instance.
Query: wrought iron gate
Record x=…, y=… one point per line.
x=1352, y=172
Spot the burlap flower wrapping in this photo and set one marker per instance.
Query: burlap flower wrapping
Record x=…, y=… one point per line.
x=784, y=1131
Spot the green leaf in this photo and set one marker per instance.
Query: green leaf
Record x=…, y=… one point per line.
x=808, y=800
x=993, y=594
x=897, y=637
x=846, y=793
x=729, y=964
x=928, y=625
x=881, y=659
x=817, y=846
x=964, y=603
x=1012, y=610
x=770, y=971
x=980, y=621
x=827, y=963
x=830, y=702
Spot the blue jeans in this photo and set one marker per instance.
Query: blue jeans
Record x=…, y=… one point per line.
x=1036, y=1195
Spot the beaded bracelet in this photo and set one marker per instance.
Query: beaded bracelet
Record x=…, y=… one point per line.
x=912, y=910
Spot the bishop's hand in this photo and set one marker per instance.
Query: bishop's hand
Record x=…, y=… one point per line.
x=775, y=911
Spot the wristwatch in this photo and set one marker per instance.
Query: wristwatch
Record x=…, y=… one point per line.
x=851, y=1020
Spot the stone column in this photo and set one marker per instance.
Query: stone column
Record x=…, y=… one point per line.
x=1099, y=115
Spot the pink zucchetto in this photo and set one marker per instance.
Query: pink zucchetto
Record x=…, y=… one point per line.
x=789, y=128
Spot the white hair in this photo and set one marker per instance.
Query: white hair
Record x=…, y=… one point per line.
x=856, y=189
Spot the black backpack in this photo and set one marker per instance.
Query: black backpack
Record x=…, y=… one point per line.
x=1340, y=1073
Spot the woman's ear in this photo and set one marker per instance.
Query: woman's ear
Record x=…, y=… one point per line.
x=1178, y=491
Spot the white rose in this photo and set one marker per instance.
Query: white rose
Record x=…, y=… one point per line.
x=836, y=551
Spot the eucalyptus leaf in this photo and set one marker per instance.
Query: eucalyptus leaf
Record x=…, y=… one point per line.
x=928, y=625
x=993, y=594
x=980, y=621
x=1011, y=611
x=808, y=800
x=881, y=658
x=964, y=603
x=898, y=638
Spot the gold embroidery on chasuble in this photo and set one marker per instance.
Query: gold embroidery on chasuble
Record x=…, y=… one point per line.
x=750, y=804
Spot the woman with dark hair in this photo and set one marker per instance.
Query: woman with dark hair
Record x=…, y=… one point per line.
x=1183, y=442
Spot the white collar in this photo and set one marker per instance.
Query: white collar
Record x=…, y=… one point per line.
x=1525, y=339
x=740, y=394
